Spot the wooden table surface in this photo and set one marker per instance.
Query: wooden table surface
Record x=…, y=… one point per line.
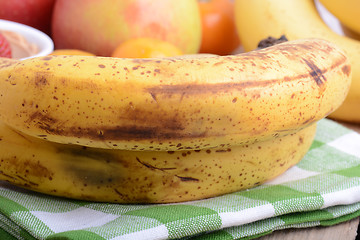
x=343, y=231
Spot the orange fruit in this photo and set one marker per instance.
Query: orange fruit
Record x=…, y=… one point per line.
x=71, y=52
x=145, y=48
x=219, y=35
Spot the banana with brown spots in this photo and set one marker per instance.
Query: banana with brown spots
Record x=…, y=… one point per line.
x=174, y=104
x=126, y=176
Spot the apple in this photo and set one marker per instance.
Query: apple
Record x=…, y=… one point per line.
x=34, y=13
x=99, y=26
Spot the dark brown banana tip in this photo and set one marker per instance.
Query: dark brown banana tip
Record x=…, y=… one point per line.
x=270, y=41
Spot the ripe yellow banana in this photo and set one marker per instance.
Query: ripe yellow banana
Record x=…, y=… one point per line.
x=259, y=19
x=177, y=103
x=124, y=176
x=346, y=11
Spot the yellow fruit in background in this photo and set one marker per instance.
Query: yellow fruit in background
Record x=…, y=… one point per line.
x=146, y=48
x=346, y=11
x=71, y=52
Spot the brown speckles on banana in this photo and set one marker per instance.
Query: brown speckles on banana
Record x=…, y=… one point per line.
x=145, y=176
x=198, y=102
x=26, y=172
x=346, y=69
x=187, y=179
x=316, y=73
x=46, y=58
x=7, y=62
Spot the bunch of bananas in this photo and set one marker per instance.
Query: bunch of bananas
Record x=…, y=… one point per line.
x=164, y=130
x=296, y=19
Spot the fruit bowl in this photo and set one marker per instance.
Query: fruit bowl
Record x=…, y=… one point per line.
x=30, y=36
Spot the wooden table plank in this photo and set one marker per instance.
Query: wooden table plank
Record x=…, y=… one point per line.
x=344, y=231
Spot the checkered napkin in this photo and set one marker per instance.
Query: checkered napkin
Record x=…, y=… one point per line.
x=323, y=189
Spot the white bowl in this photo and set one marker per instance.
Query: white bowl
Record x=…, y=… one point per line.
x=32, y=35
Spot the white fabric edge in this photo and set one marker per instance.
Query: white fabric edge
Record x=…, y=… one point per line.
x=245, y=216
x=292, y=174
x=76, y=219
x=348, y=143
x=156, y=233
x=347, y=196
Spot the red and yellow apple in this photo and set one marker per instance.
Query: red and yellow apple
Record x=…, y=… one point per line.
x=34, y=13
x=99, y=26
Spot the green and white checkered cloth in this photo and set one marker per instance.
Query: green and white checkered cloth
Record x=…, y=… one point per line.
x=323, y=189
